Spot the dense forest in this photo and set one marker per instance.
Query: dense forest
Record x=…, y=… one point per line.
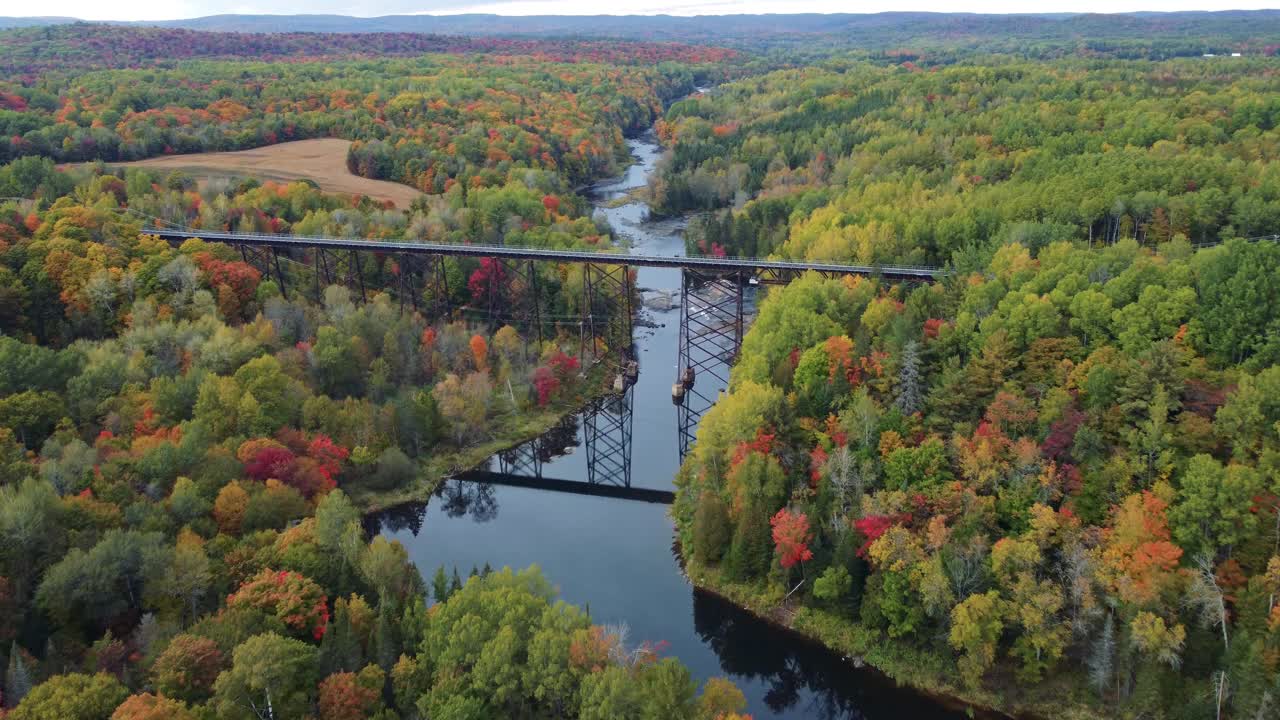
x=32, y=52
x=916, y=164
x=1047, y=483
x=427, y=121
x=1050, y=481
x=186, y=451
x=1144, y=34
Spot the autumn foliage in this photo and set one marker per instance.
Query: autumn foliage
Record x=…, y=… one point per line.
x=791, y=537
x=295, y=600
x=351, y=696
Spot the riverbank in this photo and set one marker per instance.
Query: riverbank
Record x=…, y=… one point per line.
x=924, y=672
x=512, y=430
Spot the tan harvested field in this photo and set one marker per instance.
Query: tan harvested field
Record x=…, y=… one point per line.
x=323, y=160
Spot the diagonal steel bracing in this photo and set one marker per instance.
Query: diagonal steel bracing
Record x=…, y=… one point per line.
x=421, y=284
x=607, y=310
x=523, y=460
x=338, y=267
x=606, y=427
x=516, y=298
x=711, y=328
x=266, y=261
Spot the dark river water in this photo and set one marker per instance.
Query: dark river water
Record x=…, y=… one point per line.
x=614, y=556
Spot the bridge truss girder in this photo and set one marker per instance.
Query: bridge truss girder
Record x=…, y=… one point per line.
x=266, y=261
x=607, y=312
x=421, y=283
x=338, y=267
x=711, y=331
x=607, y=431
x=782, y=276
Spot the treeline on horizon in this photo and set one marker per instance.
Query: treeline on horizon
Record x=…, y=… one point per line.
x=754, y=43
x=876, y=30
x=28, y=52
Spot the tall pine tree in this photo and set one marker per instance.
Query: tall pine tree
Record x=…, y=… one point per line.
x=910, y=398
x=340, y=649
x=386, y=646
x=440, y=585
x=17, y=679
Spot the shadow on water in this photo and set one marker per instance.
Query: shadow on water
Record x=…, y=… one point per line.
x=782, y=673
x=797, y=674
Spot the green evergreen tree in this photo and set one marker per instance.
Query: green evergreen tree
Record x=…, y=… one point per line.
x=17, y=679
x=712, y=528
x=440, y=585
x=910, y=395
x=413, y=623
x=751, y=553
x=386, y=646
x=340, y=649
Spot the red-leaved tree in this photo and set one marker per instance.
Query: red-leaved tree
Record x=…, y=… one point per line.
x=564, y=365
x=545, y=383
x=351, y=696
x=488, y=276
x=291, y=597
x=791, y=536
x=872, y=527
x=272, y=462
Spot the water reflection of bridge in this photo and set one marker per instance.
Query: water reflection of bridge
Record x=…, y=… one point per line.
x=606, y=441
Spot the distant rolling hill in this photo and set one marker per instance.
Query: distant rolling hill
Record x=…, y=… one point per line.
x=1225, y=29
x=15, y=22
x=706, y=26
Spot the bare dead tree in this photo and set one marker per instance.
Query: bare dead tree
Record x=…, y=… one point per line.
x=1206, y=596
x=1075, y=573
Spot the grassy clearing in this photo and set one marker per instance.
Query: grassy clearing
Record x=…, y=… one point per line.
x=323, y=161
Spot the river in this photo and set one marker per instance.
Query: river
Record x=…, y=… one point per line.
x=615, y=556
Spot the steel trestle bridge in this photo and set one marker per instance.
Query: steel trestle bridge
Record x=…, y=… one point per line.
x=764, y=270
x=713, y=317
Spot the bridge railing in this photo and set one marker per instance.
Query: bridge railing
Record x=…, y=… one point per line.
x=606, y=257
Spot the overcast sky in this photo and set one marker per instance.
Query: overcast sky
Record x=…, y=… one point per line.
x=172, y=9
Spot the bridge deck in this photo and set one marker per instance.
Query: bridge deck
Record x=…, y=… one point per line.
x=706, y=264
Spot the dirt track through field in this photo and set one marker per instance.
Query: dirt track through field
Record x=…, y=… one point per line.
x=323, y=161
